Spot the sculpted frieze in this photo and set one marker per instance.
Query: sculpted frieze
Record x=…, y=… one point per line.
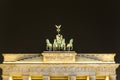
x=58, y=69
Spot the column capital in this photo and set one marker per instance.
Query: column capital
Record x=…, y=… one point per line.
x=26, y=78
x=6, y=77
x=88, y=77
x=46, y=77
x=93, y=77
x=113, y=77
x=72, y=77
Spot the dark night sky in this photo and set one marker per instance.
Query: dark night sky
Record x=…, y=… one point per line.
x=94, y=25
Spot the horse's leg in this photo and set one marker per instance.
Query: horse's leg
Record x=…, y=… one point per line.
x=68, y=48
x=59, y=47
x=71, y=47
x=50, y=48
x=46, y=47
x=64, y=47
x=53, y=48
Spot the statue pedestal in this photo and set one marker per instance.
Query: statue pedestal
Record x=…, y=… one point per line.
x=59, y=56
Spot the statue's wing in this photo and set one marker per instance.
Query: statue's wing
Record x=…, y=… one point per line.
x=58, y=26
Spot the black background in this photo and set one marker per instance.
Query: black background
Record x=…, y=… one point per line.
x=94, y=25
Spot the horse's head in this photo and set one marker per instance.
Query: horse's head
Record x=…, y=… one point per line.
x=71, y=40
x=47, y=41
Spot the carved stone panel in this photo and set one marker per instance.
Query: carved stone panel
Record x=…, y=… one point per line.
x=66, y=57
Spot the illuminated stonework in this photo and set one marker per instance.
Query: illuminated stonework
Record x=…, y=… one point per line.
x=58, y=66
x=58, y=57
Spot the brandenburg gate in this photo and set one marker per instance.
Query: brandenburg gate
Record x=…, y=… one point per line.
x=59, y=62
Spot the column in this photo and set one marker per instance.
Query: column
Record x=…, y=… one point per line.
x=107, y=78
x=88, y=77
x=92, y=78
x=72, y=77
x=6, y=77
x=46, y=77
x=26, y=78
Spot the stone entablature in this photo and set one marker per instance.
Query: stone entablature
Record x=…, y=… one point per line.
x=59, y=69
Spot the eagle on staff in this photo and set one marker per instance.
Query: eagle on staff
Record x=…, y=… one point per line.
x=58, y=28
